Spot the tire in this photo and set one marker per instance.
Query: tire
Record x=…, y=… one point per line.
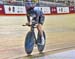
x=29, y=42
x=41, y=47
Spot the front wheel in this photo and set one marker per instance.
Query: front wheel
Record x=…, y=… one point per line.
x=29, y=42
x=41, y=47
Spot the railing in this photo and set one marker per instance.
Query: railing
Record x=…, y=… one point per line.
x=41, y=3
x=12, y=3
x=45, y=3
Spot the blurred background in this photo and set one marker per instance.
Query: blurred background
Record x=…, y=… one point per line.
x=41, y=2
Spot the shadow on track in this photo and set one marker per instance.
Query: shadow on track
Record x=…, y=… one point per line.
x=37, y=55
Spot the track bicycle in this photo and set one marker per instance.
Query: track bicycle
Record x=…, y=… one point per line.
x=31, y=39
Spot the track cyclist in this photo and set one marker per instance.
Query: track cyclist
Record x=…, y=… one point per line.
x=32, y=10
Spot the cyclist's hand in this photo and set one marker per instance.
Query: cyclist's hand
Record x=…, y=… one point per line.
x=23, y=25
x=28, y=23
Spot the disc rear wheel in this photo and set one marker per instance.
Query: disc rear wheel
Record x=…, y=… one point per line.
x=41, y=47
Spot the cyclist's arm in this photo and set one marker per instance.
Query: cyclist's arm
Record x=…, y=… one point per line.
x=28, y=8
x=28, y=18
x=37, y=15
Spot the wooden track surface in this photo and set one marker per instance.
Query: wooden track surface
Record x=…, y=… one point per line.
x=60, y=32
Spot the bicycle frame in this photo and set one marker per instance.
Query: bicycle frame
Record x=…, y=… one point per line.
x=32, y=27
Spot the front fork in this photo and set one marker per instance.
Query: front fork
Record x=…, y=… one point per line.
x=32, y=30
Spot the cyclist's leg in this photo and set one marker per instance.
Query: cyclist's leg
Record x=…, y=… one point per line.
x=40, y=28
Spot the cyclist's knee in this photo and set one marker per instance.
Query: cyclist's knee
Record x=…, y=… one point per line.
x=39, y=27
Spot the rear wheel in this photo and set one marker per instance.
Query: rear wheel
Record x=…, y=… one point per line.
x=41, y=47
x=29, y=42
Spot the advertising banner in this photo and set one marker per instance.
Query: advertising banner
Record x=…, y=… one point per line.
x=14, y=9
x=46, y=10
x=71, y=9
x=2, y=10
x=53, y=10
x=21, y=10
x=62, y=9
